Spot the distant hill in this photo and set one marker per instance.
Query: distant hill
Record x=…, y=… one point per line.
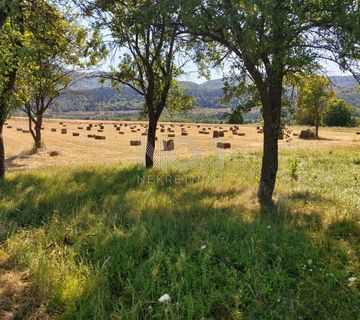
x=89, y=94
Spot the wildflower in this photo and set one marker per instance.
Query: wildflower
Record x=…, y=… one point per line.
x=164, y=298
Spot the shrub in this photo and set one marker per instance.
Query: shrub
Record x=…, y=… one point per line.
x=340, y=114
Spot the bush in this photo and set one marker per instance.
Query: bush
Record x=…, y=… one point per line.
x=340, y=114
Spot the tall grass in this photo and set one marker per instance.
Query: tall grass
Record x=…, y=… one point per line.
x=107, y=242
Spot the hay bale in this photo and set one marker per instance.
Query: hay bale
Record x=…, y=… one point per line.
x=91, y=136
x=168, y=145
x=88, y=128
x=221, y=134
x=26, y=131
x=102, y=127
x=358, y=132
x=295, y=134
x=215, y=134
x=19, y=129
x=100, y=130
x=184, y=133
x=76, y=134
x=80, y=128
x=42, y=128
x=260, y=131
x=223, y=145
x=307, y=134
x=171, y=135
x=135, y=143
x=53, y=129
x=144, y=134
x=63, y=131
x=100, y=137
x=241, y=134
x=118, y=128
x=9, y=127
x=121, y=132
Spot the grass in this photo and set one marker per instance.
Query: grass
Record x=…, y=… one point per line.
x=105, y=242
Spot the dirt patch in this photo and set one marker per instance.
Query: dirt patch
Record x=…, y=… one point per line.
x=17, y=297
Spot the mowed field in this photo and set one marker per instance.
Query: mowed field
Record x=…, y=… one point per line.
x=116, y=147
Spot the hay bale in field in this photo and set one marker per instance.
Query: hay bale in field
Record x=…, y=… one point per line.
x=100, y=137
x=144, y=134
x=121, y=132
x=80, y=128
x=19, y=129
x=171, y=135
x=168, y=145
x=88, y=128
x=61, y=122
x=358, y=132
x=184, y=133
x=307, y=134
x=221, y=134
x=63, y=131
x=241, y=134
x=42, y=128
x=9, y=127
x=53, y=129
x=295, y=134
x=135, y=143
x=260, y=131
x=102, y=127
x=100, y=130
x=215, y=134
x=206, y=132
x=162, y=130
x=117, y=128
x=91, y=136
x=26, y=131
x=223, y=145
x=76, y=134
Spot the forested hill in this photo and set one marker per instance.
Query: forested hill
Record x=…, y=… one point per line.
x=89, y=94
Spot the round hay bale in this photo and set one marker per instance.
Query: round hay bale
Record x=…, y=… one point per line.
x=76, y=134
x=53, y=129
x=100, y=137
x=63, y=131
x=307, y=134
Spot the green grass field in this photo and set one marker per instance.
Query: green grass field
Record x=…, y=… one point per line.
x=106, y=242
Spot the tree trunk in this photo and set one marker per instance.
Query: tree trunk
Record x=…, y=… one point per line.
x=317, y=131
x=150, y=146
x=37, y=139
x=2, y=152
x=272, y=127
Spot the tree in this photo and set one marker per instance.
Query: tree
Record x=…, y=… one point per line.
x=313, y=100
x=149, y=35
x=47, y=74
x=340, y=114
x=236, y=117
x=268, y=40
x=12, y=39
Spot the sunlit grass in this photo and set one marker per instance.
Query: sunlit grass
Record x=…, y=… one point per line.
x=107, y=242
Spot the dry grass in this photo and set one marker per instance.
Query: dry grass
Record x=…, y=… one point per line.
x=116, y=147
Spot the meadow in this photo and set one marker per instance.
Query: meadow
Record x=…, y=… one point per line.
x=107, y=241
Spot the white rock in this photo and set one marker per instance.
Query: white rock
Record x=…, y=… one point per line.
x=164, y=298
x=352, y=279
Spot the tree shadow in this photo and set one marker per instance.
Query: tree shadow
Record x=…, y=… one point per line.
x=145, y=238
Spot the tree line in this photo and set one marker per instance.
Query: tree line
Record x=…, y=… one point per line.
x=268, y=44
